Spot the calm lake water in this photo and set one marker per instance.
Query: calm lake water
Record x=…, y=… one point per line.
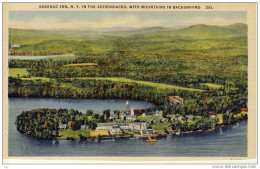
x=227, y=142
x=38, y=57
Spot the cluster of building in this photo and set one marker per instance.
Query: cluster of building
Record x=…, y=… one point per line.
x=157, y=121
x=119, y=128
x=153, y=113
x=65, y=126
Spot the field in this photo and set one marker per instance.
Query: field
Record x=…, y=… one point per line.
x=74, y=133
x=100, y=132
x=220, y=117
x=81, y=64
x=14, y=72
x=43, y=79
x=159, y=128
x=126, y=80
x=141, y=118
x=213, y=86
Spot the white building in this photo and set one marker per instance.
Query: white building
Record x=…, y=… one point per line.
x=113, y=116
x=190, y=117
x=131, y=117
x=123, y=126
x=63, y=126
x=148, y=132
x=132, y=112
x=127, y=107
x=84, y=126
x=115, y=130
x=15, y=46
x=154, y=113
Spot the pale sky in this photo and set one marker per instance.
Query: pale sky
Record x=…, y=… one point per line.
x=44, y=20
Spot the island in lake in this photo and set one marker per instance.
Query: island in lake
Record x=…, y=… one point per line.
x=74, y=125
x=195, y=78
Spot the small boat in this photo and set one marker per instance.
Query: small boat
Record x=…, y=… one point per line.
x=150, y=140
x=178, y=133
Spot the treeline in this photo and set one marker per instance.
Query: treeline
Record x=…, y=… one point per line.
x=95, y=89
x=206, y=123
x=37, y=53
x=45, y=123
x=195, y=103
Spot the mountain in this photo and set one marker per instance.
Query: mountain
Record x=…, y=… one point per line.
x=197, y=39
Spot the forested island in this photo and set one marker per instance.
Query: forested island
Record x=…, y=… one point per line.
x=205, y=66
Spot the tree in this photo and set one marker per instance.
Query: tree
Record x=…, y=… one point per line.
x=106, y=113
x=89, y=112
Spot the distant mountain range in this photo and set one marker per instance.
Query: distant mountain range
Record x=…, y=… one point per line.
x=19, y=36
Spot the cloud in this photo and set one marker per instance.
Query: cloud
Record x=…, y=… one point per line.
x=51, y=23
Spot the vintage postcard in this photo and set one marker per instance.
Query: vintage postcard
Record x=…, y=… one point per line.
x=129, y=82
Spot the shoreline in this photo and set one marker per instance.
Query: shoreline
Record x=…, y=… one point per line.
x=200, y=131
x=153, y=136
x=116, y=137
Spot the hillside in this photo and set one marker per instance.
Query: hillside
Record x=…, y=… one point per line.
x=204, y=39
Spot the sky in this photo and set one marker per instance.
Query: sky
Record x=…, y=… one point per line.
x=85, y=20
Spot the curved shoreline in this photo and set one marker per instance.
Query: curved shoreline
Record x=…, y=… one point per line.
x=153, y=136
x=212, y=129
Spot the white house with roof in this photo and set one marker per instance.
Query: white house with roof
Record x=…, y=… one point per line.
x=189, y=117
x=164, y=120
x=123, y=126
x=84, y=127
x=153, y=113
x=178, y=118
x=113, y=116
x=115, y=130
x=63, y=126
x=148, y=132
x=15, y=46
x=131, y=117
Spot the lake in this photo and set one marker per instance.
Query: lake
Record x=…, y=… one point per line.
x=38, y=57
x=226, y=142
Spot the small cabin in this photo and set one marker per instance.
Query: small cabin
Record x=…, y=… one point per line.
x=175, y=100
x=15, y=46
x=63, y=126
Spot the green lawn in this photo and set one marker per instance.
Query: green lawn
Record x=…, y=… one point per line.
x=171, y=115
x=44, y=79
x=141, y=118
x=81, y=64
x=220, y=117
x=74, y=133
x=13, y=72
x=125, y=80
x=211, y=85
x=159, y=128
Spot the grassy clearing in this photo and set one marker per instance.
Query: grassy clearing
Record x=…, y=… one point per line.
x=243, y=113
x=99, y=132
x=141, y=118
x=13, y=72
x=213, y=86
x=44, y=79
x=126, y=80
x=171, y=115
x=220, y=117
x=159, y=128
x=74, y=133
x=81, y=64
